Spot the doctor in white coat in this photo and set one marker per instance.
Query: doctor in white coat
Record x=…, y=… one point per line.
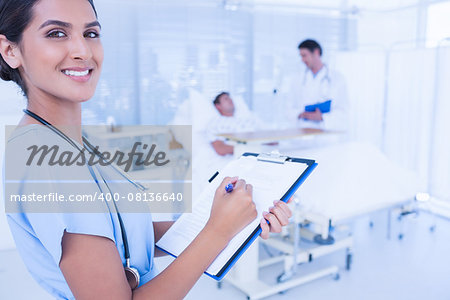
x=316, y=85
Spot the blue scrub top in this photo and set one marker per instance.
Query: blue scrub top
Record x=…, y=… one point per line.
x=38, y=235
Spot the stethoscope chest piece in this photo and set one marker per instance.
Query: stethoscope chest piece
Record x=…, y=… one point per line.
x=133, y=277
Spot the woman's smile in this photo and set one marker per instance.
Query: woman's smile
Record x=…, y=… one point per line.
x=78, y=74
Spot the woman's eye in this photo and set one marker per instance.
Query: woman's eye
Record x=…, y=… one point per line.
x=92, y=34
x=56, y=34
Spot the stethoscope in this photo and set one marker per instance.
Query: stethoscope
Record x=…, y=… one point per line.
x=325, y=78
x=131, y=273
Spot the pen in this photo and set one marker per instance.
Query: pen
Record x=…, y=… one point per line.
x=229, y=188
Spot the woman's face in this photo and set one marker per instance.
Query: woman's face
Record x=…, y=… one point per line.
x=61, y=52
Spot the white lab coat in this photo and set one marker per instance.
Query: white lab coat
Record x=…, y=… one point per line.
x=307, y=89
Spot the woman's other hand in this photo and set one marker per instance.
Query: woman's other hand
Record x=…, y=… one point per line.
x=278, y=216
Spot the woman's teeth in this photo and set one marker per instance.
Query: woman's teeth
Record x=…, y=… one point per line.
x=76, y=73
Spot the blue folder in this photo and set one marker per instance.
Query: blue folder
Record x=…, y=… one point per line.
x=311, y=166
x=324, y=107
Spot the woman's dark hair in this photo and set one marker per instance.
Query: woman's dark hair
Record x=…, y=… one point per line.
x=15, y=15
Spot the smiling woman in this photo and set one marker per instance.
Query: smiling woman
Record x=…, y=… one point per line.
x=60, y=46
x=52, y=50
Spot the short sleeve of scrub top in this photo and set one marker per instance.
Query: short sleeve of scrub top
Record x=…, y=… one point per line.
x=38, y=236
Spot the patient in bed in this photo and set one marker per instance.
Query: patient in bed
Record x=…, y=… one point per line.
x=200, y=112
x=228, y=121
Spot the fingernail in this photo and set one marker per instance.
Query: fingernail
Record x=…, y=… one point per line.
x=275, y=201
x=270, y=208
x=265, y=213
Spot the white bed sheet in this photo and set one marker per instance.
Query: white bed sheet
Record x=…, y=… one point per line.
x=353, y=179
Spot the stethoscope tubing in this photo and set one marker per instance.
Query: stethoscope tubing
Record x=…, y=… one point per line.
x=96, y=152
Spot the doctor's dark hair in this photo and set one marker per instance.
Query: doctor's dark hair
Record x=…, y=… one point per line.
x=217, y=99
x=311, y=45
x=15, y=15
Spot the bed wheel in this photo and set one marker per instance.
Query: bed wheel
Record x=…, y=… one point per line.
x=337, y=277
x=219, y=285
x=321, y=241
x=348, y=262
x=280, y=278
x=432, y=228
x=284, y=277
x=400, y=236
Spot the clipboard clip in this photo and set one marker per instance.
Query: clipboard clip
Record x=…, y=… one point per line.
x=274, y=157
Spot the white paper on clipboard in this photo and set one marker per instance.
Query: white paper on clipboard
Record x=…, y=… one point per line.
x=270, y=182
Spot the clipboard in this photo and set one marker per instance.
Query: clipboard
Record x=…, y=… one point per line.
x=272, y=158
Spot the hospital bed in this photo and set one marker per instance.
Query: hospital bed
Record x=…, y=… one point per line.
x=351, y=180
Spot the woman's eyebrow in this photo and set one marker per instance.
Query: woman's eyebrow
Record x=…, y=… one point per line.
x=55, y=22
x=67, y=25
x=93, y=24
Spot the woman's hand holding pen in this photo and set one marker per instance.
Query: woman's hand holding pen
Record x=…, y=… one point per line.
x=233, y=208
x=232, y=211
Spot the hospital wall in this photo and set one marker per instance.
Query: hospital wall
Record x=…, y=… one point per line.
x=11, y=103
x=384, y=28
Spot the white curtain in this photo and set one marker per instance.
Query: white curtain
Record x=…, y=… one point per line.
x=440, y=155
x=364, y=73
x=411, y=87
x=415, y=132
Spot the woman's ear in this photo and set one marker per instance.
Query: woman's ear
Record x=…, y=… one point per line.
x=10, y=52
